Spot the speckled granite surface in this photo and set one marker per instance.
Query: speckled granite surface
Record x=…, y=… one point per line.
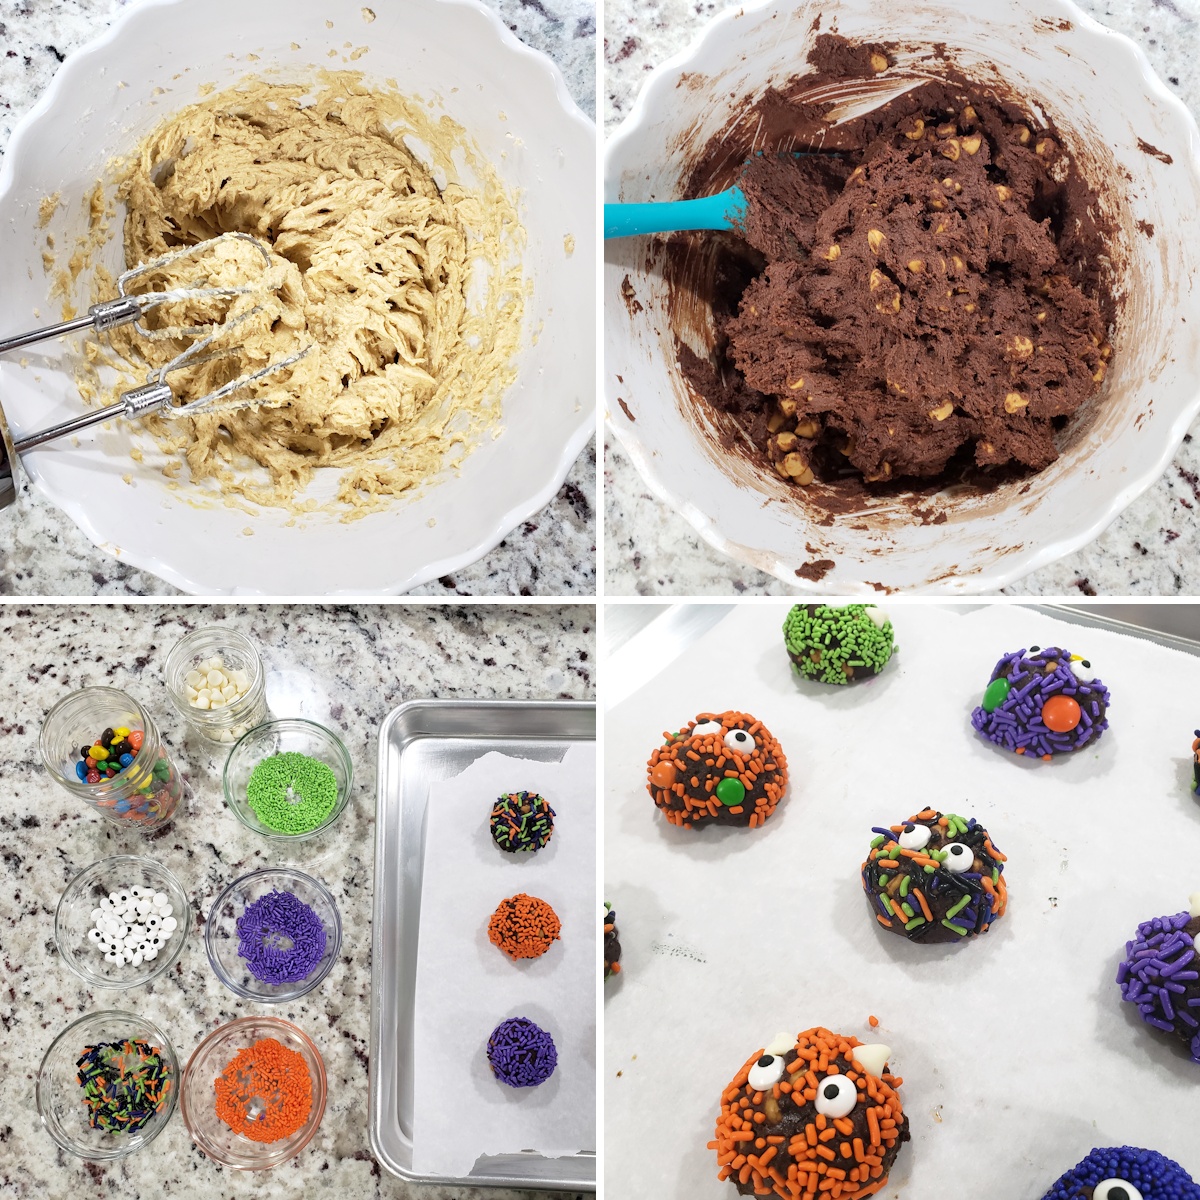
x=1153, y=548
x=346, y=666
x=43, y=554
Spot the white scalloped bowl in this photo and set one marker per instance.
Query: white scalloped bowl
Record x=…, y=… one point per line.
x=511, y=100
x=1100, y=91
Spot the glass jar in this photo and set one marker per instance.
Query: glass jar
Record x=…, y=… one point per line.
x=235, y=653
x=143, y=794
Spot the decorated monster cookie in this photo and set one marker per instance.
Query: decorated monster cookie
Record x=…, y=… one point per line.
x=1196, y=763
x=1042, y=703
x=1125, y=1173
x=612, y=941
x=809, y=1117
x=935, y=878
x=1161, y=974
x=720, y=769
x=838, y=644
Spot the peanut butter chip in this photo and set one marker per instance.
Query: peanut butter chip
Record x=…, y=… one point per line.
x=879, y=64
x=875, y=239
x=942, y=411
x=1014, y=401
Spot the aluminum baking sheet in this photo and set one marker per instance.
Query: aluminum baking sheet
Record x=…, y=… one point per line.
x=1017, y=1054
x=420, y=743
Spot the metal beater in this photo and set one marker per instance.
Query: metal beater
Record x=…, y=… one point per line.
x=128, y=308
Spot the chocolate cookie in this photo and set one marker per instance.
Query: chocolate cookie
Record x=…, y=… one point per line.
x=521, y=822
x=810, y=1114
x=1125, y=1173
x=935, y=878
x=1196, y=763
x=1161, y=974
x=1043, y=703
x=721, y=769
x=838, y=644
x=612, y=941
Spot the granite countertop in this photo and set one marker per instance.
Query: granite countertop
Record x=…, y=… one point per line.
x=345, y=666
x=42, y=553
x=1153, y=548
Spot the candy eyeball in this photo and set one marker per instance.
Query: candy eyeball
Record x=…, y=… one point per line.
x=915, y=837
x=767, y=1072
x=1115, y=1189
x=836, y=1096
x=1082, y=670
x=959, y=858
x=739, y=740
x=706, y=727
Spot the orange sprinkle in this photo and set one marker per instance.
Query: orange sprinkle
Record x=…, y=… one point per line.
x=873, y=1022
x=265, y=1093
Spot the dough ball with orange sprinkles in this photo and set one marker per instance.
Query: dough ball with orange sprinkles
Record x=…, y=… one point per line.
x=720, y=769
x=809, y=1118
x=524, y=926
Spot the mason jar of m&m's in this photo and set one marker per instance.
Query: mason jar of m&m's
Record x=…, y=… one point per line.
x=102, y=746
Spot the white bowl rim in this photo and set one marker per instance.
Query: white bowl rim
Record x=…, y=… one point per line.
x=1017, y=565
x=76, y=509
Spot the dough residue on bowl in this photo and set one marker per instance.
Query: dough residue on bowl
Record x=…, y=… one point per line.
x=406, y=283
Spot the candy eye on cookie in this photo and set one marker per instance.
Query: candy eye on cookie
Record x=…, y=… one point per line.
x=836, y=1096
x=767, y=1072
x=705, y=727
x=739, y=741
x=1116, y=1189
x=959, y=858
x=915, y=837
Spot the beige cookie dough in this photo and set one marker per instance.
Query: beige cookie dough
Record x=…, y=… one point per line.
x=406, y=285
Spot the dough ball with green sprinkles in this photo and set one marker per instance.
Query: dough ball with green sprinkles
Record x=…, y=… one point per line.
x=838, y=644
x=292, y=793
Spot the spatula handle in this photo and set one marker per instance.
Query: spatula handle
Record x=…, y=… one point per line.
x=721, y=211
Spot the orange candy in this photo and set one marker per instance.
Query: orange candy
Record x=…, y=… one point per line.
x=1061, y=714
x=663, y=775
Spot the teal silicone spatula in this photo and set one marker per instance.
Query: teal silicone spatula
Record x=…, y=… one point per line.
x=725, y=210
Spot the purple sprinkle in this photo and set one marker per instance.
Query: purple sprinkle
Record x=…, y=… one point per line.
x=281, y=938
x=521, y=1053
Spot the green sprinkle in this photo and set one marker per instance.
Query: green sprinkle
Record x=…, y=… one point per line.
x=961, y=930
x=959, y=906
x=914, y=923
x=995, y=874
x=877, y=841
x=883, y=878
x=904, y=886
x=888, y=905
x=930, y=870
x=907, y=909
x=292, y=793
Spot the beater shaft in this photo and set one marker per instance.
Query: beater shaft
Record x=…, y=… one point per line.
x=108, y=314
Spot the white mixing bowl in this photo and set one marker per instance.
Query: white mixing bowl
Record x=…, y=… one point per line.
x=513, y=103
x=1139, y=146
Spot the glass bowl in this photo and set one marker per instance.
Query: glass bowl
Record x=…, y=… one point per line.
x=198, y=1095
x=279, y=737
x=236, y=653
x=60, y=1101
x=221, y=932
x=73, y=919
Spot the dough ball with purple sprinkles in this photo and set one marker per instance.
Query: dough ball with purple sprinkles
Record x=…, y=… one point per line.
x=935, y=878
x=1161, y=974
x=1125, y=1173
x=521, y=1053
x=1042, y=703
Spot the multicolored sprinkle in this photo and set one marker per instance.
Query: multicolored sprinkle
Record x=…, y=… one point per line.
x=125, y=1084
x=838, y=644
x=521, y=821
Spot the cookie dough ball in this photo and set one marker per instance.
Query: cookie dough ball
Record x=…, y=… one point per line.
x=838, y=644
x=819, y=1109
x=612, y=942
x=720, y=769
x=1125, y=1173
x=521, y=821
x=935, y=878
x=524, y=926
x=1042, y=703
x=1196, y=763
x=520, y=1053
x=1160, y=972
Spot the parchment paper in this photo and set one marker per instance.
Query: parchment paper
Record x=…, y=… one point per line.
x=466, y=986
x=1017, y=1053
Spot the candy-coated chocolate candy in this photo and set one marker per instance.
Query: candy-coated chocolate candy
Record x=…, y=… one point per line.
x=93, y=777
x=126, y=759
x=731, y=792
x=135, y=739
x=99, y=753
x=663, y=775
x=996, y=693
x=1061, y=713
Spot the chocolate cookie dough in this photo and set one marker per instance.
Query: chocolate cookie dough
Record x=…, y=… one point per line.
x=612, y=941
x=1160, y=974
x=811, y=1116
x=924, y=294
x=1043, y=703
x=838, y=643
x=720, y=769
x=935, y=878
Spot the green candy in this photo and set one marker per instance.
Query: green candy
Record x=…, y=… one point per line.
x=996, y=694
x=292, y=793
x=730, y=792
x=844, y=637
